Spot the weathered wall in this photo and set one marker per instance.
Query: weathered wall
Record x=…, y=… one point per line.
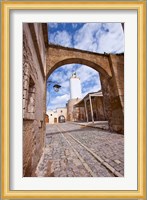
x=55, y=114
x=77, y=113
x=82, y=114
x=62, y=111
x=34, y=69
x=117, y=68
x=98, y=109
x=71, y=114
x=27, y=148
x=113, y=92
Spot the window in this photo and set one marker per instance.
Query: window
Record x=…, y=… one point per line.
x=31, y=96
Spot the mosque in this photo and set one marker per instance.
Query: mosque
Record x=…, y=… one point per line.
x=78, y=109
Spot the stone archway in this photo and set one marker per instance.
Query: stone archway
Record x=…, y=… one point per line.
x=61, y=119
x=39, y=61
x=58, y=56
x=111, y=70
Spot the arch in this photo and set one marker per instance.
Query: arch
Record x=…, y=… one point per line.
x=111, y=70
x=58, y=56
x=78, y=61
x=61, y=119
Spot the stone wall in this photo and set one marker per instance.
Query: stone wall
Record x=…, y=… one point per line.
x=98, y=109
x=71, y=114
x=62, y=111
x=34, y=68
x=82, y=114
x=77, y=110
x=113, y=92
x=58, y=56
x=53, y=115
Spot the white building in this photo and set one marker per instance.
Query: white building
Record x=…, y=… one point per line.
x=56, y=116
x=75, y=87
x=75, y=95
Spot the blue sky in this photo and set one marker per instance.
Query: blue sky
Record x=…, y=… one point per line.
x=94, y=37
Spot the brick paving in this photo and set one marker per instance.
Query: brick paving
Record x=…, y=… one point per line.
x=64, y=156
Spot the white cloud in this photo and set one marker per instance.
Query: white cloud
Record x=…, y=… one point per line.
x=57, y=76
x=100, y=37
x=47, y=98
x=86, y=73
x=61, y=37
x=65, y=84
x=53, y=25
x=62, y=76
x=113, y=41
x=95, y=37
x=59, y=101
x=84, y=37
x=96, y=88
x=74, y=25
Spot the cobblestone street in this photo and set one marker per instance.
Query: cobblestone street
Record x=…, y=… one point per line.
x=76, y=151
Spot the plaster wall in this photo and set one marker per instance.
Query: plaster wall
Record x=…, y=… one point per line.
x=54, y=115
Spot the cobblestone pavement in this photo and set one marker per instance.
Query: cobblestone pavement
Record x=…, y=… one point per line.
x=76, y=151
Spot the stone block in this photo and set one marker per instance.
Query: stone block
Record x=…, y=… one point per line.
x=32, y=90
x=24, y=103
x=26, y=69
x=30, y=108
x=25, y=94
x=40, y=124
x=25, y=84
x=29, y=116
x=117, y=161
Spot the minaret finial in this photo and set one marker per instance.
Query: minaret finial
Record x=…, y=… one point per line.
x=74, y=74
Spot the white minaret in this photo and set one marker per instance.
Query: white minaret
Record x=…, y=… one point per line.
x=75, y=87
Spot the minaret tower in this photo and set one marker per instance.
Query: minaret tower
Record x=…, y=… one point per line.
x=75, y=87
x=75, y=97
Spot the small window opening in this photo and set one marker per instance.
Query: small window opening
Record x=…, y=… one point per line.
x=31, y=96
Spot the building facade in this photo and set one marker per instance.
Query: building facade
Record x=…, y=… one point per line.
x=56, y=116
x=91, y=108
x=35, y=42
